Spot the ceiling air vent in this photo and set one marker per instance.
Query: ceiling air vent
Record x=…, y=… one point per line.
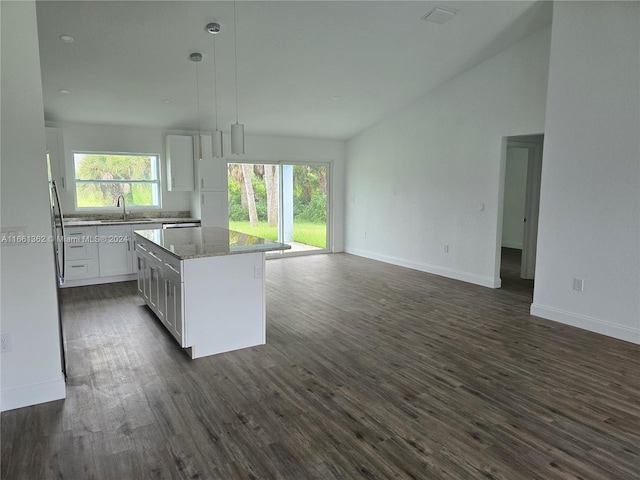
x=439, y=15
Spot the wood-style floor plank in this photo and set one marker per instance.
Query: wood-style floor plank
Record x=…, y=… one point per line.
x=370, y=371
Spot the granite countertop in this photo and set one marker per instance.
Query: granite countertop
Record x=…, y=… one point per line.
x=197, y=242
x=87, y=222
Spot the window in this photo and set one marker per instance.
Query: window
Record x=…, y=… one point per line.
x=101, y=177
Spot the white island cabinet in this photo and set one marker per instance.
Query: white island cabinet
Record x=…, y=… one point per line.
x=206, y=285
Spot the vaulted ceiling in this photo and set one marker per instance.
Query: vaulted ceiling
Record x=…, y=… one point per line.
x=305, y=68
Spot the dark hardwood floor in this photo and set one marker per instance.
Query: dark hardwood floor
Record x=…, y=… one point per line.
x=370, y=371
x=511, y=259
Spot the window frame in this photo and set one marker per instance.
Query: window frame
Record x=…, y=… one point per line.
x=113, y=208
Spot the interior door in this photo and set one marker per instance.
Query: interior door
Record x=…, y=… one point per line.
x=532, y=211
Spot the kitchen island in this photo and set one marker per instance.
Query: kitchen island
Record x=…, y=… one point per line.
x=206, y=285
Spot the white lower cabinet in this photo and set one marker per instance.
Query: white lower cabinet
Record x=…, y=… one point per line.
x=102, y=254
x=160, y=284
x=114, y=250
x=210, y=304
x=156, y=289
x=173, y=295
x=143, y=276
x=81, y=253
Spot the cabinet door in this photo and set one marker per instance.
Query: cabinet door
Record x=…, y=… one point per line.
x=212, y=172
x=213, y=176
x=154, y=286
x=214, y=209
x=179, y=159
x=178, y=324
x=114, y=250
x=173, y=315
x=170, y=310
x=142, y=273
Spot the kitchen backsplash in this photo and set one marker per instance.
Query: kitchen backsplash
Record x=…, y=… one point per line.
x=132, y=215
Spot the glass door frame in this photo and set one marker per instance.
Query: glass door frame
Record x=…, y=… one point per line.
x=329, y=212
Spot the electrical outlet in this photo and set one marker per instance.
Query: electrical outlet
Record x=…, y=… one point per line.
x=257, y=271
x=578, y=284
x=5, y=343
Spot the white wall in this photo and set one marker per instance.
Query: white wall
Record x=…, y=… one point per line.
x=515, y=193
x=31, y=372
x=417, y=181
x=261, y=149
x=590, y=198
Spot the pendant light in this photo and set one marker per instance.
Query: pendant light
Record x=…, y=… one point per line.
x=197, y=58
x=237, y=130
x=216, y=139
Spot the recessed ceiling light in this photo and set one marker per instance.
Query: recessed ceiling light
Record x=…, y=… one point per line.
x=66, y=38
x=64, y=91
x=166, y=100
x=336, y=97
x=439, y=15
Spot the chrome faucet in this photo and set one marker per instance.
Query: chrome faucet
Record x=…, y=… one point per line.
x=124, y=206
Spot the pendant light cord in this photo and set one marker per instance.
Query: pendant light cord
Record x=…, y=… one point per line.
x=235, y=48
x=198, y=95
x=215, y=83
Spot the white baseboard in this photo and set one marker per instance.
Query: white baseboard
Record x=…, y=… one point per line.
x=516, y=245
x=27, y=395
x=587, y=323
x=424, y=267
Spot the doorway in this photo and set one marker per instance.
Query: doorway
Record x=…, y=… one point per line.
x=287, y=202
x=522, y=168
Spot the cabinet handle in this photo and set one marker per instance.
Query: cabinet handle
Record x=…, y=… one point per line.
x=78, y=266
x=128, y=245
x=173, y=182
x=62, y=181
x=76, y=246
x=202, y=183
x=141, y=247
x=202, y=199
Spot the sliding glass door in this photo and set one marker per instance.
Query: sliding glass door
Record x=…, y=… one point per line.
x=281, y=201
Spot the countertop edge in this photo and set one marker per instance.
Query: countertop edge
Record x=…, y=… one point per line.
x=221, y=254
x=132, y=221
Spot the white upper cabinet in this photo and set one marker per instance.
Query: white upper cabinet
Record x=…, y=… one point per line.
x=55, y=151
x=214, y=209
x=179, y=157
x=212, y=172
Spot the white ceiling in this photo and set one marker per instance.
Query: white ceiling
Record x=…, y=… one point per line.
x=293, y=58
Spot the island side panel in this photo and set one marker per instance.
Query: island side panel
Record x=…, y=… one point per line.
x=224, y=303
